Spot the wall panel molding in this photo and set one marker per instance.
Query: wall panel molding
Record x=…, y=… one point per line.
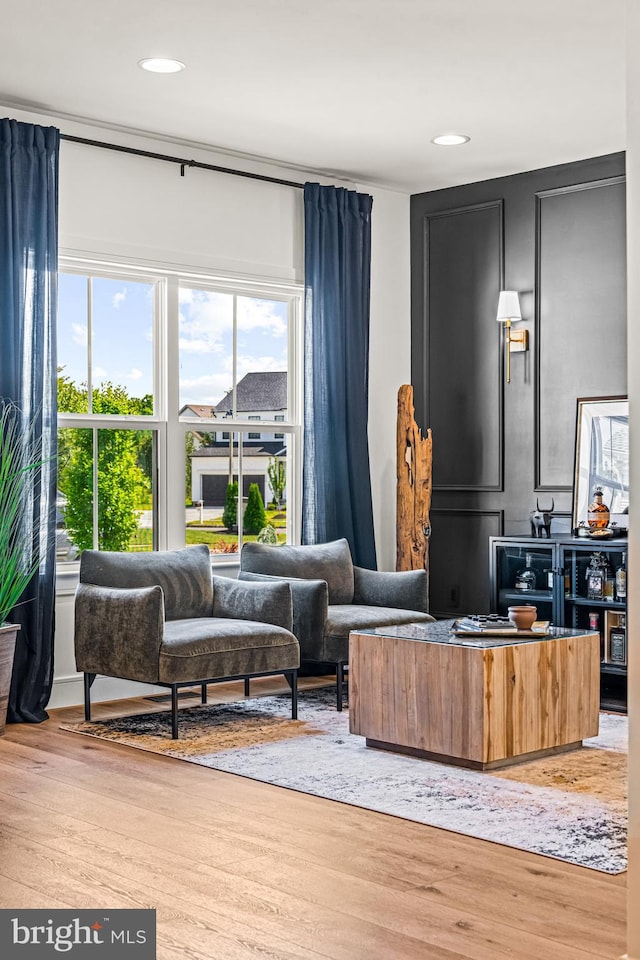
x=445, y=398
x=459, y=543
x=567, y=335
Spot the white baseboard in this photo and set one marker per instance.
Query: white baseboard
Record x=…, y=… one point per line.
x=69, y=691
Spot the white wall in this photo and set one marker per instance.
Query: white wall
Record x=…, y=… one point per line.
x=115, y=204
x=389, y=355
x=633, y=327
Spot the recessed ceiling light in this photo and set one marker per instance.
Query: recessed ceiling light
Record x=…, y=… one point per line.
x=161, y=65
x=450, y=139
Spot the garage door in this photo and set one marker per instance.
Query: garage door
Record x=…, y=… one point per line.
x=214, y=487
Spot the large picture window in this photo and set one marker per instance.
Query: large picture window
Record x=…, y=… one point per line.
x=162, y=381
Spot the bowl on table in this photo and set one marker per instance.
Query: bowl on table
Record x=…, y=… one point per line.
x=523, y=617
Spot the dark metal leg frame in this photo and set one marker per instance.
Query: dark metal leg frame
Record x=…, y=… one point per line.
x=88, y=681
x=339, y=682
x=292, y=680
x=291, y=675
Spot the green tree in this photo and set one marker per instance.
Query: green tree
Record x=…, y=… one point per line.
x=230, y=513
x=189, y=447
x=254, y=515
x=277, y=475
x=123, y=467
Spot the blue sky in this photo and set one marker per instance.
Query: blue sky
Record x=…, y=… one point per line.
x=122, y=337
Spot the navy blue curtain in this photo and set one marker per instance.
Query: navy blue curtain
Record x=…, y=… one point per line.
x=28, y=287
x=336, y=496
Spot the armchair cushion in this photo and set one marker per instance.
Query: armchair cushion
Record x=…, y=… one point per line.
x=321, y=561
x=406, y=589
x=267, y=602
x=223, y=647
x=184, y=575
x=344, y=618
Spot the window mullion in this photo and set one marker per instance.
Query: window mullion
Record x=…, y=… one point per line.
x=96, y=532
x=89, y=345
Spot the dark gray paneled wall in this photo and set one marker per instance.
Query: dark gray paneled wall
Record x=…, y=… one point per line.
x=557, y=236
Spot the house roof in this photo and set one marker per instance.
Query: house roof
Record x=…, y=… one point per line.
x=271, y=448
x=263, y=390
x=198, y=409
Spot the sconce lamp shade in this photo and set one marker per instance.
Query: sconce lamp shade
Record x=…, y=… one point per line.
x=508, y=306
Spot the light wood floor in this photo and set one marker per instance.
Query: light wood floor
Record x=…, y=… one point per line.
x=238, y=869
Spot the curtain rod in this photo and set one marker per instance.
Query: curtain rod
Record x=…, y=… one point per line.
x=183, y=163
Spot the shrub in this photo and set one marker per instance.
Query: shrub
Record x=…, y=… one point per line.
x=254, y=516
x=268, y=534
x=230, y=513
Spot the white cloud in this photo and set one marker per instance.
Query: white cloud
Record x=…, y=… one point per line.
x=119, y=298
x=249, y=364
x=210, y=388
x=202, y=344
x=135, y=374
x=206, y=324
x=261, y=315
x=99, y=372
x=206, y=320
x=80, y=334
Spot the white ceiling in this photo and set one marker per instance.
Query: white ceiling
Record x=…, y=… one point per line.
x=354, y=88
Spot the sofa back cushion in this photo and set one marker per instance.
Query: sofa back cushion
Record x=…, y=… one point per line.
x=184, y=575
x=319, y=561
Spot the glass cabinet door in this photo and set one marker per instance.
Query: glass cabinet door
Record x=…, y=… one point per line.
x=524, y=573
x=595, y=596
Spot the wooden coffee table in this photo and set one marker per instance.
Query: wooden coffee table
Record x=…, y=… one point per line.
x=479, y=702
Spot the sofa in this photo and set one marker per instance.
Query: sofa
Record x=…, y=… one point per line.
x=332, y=596
x=162, y=618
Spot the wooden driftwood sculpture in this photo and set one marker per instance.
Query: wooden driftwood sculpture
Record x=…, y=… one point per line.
x=414, y=460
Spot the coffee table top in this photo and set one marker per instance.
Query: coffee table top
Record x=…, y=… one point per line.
x=440, y=632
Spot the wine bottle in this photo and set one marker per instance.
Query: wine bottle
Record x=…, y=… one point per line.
x=621, y=579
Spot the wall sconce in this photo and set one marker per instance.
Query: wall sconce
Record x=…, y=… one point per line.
x=516, y=341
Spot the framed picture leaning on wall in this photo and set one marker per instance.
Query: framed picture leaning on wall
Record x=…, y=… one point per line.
x=602, y=458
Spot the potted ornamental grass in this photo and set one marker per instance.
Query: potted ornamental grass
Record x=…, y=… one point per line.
x=20, y=458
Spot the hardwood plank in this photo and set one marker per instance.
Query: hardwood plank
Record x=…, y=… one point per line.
x=438, y=924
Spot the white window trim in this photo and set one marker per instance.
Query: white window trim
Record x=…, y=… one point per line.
x=170, y=426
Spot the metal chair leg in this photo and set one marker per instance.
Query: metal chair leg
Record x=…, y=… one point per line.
x=174, y=712
x=203, y=688
x=88, y=680
x=292, y=678
x=247, y=687
x=339, y=682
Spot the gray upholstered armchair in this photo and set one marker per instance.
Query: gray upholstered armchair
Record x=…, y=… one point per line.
x=161, y=618
x=331, y=596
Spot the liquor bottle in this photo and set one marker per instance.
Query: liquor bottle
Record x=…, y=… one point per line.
x=597, y=512
x=621, y=579
x=526, y=578
x=610, y=581
x=596, y=576
x=618, y=642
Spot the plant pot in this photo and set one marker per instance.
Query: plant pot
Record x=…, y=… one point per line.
x=8, y=634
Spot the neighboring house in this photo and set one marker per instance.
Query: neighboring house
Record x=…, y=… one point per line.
x=210, y=470
x=259, y=396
